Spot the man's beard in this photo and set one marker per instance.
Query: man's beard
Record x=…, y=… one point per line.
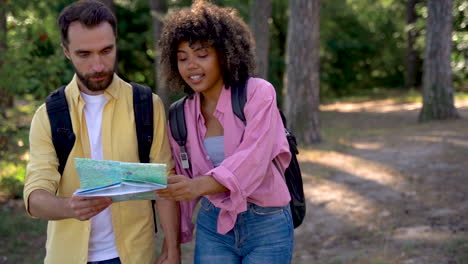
x=96, y=86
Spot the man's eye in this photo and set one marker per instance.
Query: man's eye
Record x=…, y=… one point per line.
x=106, y=51
x=83, y=55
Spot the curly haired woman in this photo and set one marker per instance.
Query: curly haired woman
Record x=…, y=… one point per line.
x=207, y=51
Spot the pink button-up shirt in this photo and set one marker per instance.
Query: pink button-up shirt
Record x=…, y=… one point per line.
x=247, y=170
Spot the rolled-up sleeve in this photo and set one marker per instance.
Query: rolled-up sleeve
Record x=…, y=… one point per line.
x=245, y=170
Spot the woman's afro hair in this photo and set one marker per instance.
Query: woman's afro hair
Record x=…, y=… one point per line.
x=220, y=27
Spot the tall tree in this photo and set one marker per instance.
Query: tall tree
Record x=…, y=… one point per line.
x=438, y=92
x=6, y=100
x=302, y=73
x=260, y=14
x=412, y=56
x=158, y=9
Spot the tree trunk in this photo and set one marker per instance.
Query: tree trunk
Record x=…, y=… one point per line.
x=438, y=93
x=260, y=13
x=412, y=56
x=6, y=99
x=158, y=9
x=302, y=75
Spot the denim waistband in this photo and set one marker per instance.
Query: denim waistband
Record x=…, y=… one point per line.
x=250, y=207
x=108, y=261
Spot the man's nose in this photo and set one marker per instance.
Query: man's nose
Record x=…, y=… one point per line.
x=97, y=64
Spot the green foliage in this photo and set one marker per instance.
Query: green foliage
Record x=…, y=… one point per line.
x=278, y=36
x=12, y=165
x=135, y=48
x=361, y=46
x=34, y=63
x=14, y=143
x=11, y=187
x=460, y=45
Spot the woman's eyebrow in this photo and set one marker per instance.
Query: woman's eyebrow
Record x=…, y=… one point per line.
x=201, y=48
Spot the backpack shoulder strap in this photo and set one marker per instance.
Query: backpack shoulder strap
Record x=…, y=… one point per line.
x=179, y=128
x=61, y=127
x=238, y=100
x=143, y=110
x=177, y=121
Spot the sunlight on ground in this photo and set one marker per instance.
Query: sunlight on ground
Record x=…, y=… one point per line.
x=422, y=232
x=345, y=204
x=341, y=201
x=380, y=106
x=377, y=106
x=353, y=165
x=438, y=139
x=365, y=145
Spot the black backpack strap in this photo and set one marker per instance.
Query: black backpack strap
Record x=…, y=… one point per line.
x=239, y=99
x=292, y=175
x=179, y=129
x=143, y=110
x=177, y=121
x=61, y=127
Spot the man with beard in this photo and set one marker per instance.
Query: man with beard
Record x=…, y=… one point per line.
x=95, y=230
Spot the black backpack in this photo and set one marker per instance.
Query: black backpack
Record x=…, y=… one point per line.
x=63, y=137
x=292, y=175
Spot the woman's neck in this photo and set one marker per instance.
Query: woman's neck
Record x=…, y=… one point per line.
x=209, y=98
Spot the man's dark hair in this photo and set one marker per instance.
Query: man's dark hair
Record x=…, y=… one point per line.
x=90, y=13
x=217, y=26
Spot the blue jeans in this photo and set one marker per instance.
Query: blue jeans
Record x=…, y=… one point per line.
x=260, y=235
x=109, y=261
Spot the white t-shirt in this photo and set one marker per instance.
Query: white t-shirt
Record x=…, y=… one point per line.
x=102, y=240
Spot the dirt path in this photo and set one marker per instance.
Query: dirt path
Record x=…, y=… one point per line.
x=384, y=189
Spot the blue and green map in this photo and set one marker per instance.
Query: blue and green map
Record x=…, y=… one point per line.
x=120, y=180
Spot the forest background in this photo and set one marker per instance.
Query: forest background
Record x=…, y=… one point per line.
x=367, y=49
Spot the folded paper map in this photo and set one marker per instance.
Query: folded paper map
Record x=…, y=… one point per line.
x=120, y=180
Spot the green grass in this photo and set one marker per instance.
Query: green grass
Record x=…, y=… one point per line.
x=21, y=236
x=459, y=250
